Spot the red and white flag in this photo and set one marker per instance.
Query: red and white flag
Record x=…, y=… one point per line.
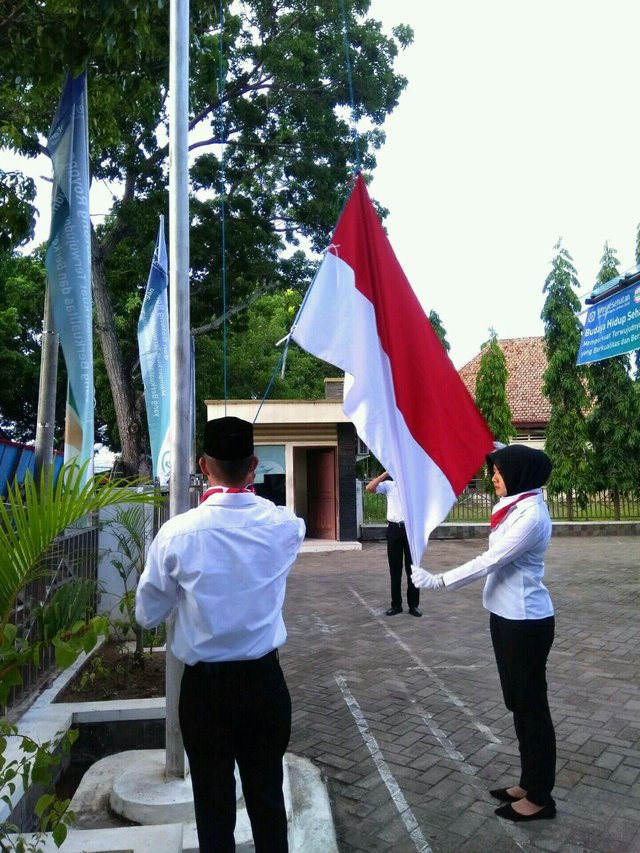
x=401, y=390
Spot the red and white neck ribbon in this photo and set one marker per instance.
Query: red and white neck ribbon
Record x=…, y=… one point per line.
x=232, y=490
x=499, y=515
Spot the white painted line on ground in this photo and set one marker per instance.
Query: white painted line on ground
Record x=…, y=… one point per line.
x=455, y=755
x=408, y=818
x=468, y=769
x=443, y=739
x=455, y=700
x=322, y=625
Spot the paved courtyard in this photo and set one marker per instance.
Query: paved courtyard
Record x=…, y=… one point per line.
x=405, y=715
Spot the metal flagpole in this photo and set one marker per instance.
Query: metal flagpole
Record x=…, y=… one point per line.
x=180, y=426
x=47, y=393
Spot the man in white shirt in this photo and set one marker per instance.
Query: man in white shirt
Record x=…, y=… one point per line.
x=222, y=569
x=398, y=551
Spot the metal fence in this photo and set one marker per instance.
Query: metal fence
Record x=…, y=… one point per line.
x=475, y=505
x=72, y=556
x=196, y=490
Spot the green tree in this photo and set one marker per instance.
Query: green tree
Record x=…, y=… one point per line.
x=439, y=329
x=614, y=420
x=22, y=282
x=491, y=390
x=253, y=360
x=564, y=383
x=17, y=194
x=253, y=356
x=279, y=120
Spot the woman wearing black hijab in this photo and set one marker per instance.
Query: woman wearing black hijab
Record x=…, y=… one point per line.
x=521, y=619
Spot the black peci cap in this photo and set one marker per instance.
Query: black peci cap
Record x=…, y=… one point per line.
x=228, y=439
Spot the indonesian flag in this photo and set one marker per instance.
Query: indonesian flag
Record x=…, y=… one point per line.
x=401, y=390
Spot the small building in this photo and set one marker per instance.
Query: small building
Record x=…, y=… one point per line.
x=307, y=452
x=526, y=363
x=16, y=459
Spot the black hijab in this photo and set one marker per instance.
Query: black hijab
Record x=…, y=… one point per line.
x=521, y=467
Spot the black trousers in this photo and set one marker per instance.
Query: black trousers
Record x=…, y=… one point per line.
x=237, y=712
x=521, y=648
x=397, y=553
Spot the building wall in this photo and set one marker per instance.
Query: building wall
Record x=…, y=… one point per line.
x=347, y=507
x=308, y=434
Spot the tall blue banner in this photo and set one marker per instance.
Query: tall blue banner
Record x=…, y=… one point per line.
x=68, y=264
x=155, y=359
x=612, y=327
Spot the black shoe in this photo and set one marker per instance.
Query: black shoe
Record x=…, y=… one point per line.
x=415, y=612
x=504, y=795
x=509, y=813
x=393, y=611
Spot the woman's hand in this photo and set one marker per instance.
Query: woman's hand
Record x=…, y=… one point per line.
x=425, y=580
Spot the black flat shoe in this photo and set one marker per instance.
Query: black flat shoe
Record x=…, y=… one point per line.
x=393, y=611
x=509, y=813
x=504, y=795
x=415, y=612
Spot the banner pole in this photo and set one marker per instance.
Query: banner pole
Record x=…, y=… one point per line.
x=46, y=417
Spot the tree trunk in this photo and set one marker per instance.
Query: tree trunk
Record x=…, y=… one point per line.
x=130, y=425
x=569, y=506
x=615, y=496
x=139, y=652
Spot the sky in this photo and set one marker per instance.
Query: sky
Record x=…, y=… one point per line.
x=517, y=128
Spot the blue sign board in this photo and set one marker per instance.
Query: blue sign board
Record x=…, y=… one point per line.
x=612, y=327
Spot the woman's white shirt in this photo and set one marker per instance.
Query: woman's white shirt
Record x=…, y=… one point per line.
x=514, y=562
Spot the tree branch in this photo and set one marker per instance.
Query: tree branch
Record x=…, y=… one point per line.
x=13, y=14
x=218, y=321
x=238, y=144
x=111, y=239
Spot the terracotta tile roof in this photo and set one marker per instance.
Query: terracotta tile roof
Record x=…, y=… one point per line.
x=526, y=363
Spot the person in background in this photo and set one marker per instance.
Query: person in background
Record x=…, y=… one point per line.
x=222, y=569
x=521, y=619
x=397, y=546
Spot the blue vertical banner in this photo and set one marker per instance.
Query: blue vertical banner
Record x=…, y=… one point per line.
x=155, y=359
x=68, y=264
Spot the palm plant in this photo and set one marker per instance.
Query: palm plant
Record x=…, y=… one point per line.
x=30, y=520
x=132, y=529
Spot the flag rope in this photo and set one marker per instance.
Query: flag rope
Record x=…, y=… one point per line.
x=347, y=60
x=287, y=340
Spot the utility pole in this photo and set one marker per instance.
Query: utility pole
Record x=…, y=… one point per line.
x=180, y=425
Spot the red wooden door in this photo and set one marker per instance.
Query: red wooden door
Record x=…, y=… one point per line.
x=321, y=493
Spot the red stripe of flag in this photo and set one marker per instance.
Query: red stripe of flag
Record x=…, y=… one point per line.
x=436, y=406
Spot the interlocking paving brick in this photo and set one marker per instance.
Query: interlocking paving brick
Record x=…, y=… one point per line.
x=426, y=687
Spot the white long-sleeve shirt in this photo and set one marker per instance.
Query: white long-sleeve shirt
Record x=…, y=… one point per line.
x=513, y=563
x=223, y=568
x=394, y=507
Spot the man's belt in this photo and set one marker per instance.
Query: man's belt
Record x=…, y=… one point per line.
x=228, y=665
